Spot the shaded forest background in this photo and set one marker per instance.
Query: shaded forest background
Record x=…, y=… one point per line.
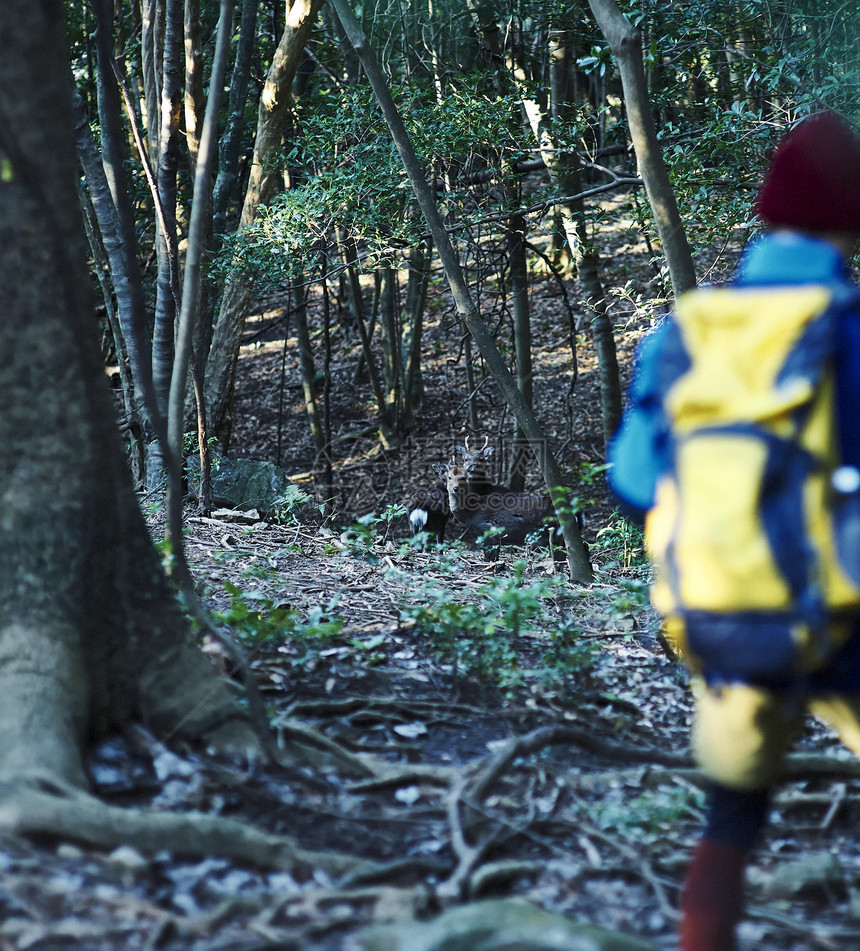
x=311, y=231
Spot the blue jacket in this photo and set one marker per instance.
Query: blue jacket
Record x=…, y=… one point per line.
x=639, y=452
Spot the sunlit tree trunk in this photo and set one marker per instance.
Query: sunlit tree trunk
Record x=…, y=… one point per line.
x=307, y=366
x=152, y=54
x=195, y=102
x=626, y=44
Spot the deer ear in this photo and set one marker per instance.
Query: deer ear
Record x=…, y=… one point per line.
x=462, y=449
x=488, y=451
x=440, y=469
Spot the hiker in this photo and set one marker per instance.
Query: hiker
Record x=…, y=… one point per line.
x=740, y=450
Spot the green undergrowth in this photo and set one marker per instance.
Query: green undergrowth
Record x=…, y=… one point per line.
x=501, y=627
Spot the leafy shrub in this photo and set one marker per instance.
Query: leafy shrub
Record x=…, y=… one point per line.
x=256, y=619
x=488, y=631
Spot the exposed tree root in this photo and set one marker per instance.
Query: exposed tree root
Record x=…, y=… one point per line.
x=39, y=805
x=547, y=736
x=499, y=925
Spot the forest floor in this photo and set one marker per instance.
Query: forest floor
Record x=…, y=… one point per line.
x=472, y=730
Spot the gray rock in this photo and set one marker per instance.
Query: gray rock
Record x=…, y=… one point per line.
x=246, y=484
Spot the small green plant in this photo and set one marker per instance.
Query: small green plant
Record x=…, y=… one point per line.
x=190, y=442
x=256, y=619
x=622, y=543
x=370, y=531
x=567, y=653
x=287, y=506
x=359, y=538
x=463, y=635
x=390, y=516
x=487, y=632
x=253, y=616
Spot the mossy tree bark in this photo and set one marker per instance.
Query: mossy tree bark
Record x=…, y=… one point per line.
x=91, y=636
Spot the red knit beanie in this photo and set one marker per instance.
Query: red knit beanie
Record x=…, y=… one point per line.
x=813, y=183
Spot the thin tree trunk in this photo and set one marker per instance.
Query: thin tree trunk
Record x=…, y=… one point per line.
x=120, y=246
x=580, y=566
x=195, y=109
x=328, y=468
x=101, y=266
x=348, y=253
x=152, y=55
x=420, y=262
x=113, y=207
x=386, y=429
x=167, y=282
x=198, y=239
x=228, y=149
x=195, y=104
x=522, y=341
x=308, y=370
x=390, y=336
x=626, y=44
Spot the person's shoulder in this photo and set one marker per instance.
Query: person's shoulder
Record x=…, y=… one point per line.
x=790, y=258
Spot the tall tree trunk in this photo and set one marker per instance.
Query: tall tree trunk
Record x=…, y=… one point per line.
x=125, y=276
x=101, y=265
x=626, y=44
x=580, y=566
x=112, y=203
x=199, y=239
x=195, y=102
x=228, y=148
x=420, y=262
x=152, y=57
x=195, y=107
x=522, y=340
x=392, y=366
x=91, y=635
x=306, y=363
x=167, y=283
x=271, y=118
x=386, y=427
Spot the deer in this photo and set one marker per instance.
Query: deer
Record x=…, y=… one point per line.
x=479, y=484
x=429, y=511
x=475, y=467
x=511, y=516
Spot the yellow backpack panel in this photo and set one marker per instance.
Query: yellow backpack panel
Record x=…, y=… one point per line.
x=741, y=534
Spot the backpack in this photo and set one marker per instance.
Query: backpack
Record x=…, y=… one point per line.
x=754, y=530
